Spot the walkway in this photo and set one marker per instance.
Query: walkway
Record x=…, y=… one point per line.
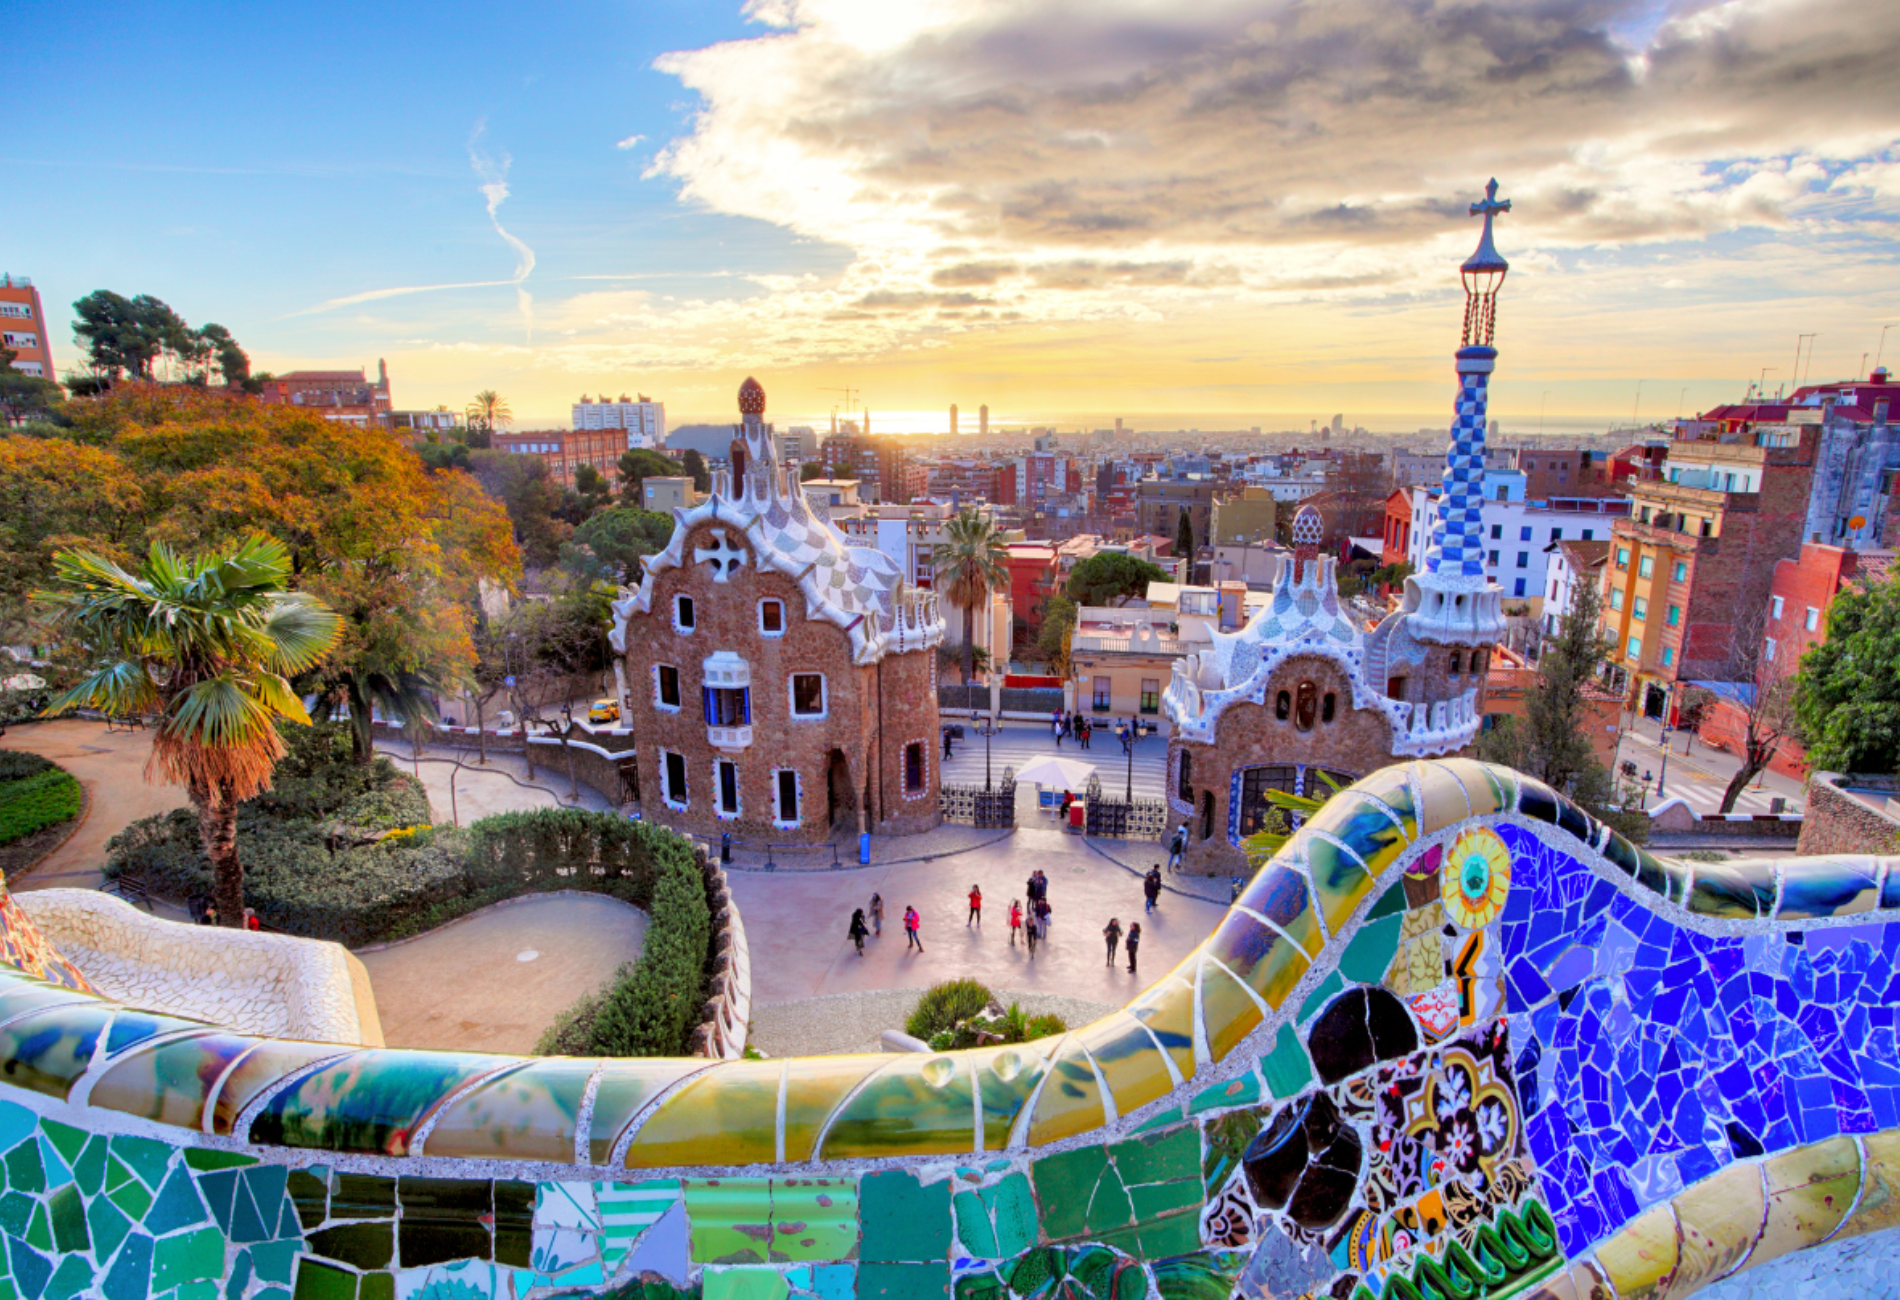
x=503, y=785
x=112, y=768
x=1015, y=743
x=494, y=981
x=1701, y=775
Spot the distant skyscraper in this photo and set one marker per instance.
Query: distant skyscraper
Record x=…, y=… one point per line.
x=983, y=421
x=1118, y=426
x=953, y=419
x=643, y=418
x=1339, y=424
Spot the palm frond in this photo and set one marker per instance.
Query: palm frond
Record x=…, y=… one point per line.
x=300, y=630
x=218, y=712
x=120, y=689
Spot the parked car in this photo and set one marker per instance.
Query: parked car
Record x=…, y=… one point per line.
x=604, y=711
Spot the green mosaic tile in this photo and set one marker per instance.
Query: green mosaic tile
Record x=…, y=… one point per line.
x=1006, y=1076
x=361, y=1245
x=514, y=1223
x=178, y=1206
x=1371, y=950
x=1203, y=1275
x=276, y=1261
x=73, y=1276
x=975, y=1233
x=66, y=1140
x=1327, y=989
x=1162, y=1158
x=68, y=1212
x=205, y=1159
x=1287, y=1068
x=16, y=1211
x=902, y=1220
x=146, y=1158
x=442, y=1220
x=362, y=1196
x=1244, y=1091
x=39, y=1229
x=89, y=1170
x=903, y=1281
x=814, y=1219
x=731, y=1219
x=31, y=1270
x=980, y=1286
x=196, y=1291
x=324, y=1282
x=1012, y=1208
x=25, y=1171
x=132, y=1199
x=187, y=1257
x=1223, y=1139
x=1391, y=903
x=1161, y=1238
x=106, y=1226
x=130, y=1276
x=1157, y=1200
x=374, y=1286
x=744, y=1284
x=311, y=1195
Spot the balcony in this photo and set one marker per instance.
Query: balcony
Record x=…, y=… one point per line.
x=728, y=700
x=739, y=737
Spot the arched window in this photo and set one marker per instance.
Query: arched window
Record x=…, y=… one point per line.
x=1282, y=706
x=1457, y=660
x=1327, y=705
x=1187, y=777
x=1307, y=708
x=1480, y=660
x=1207, y=815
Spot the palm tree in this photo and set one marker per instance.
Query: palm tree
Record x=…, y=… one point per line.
x=491, y=408
x=207, y=643
x=971, y=562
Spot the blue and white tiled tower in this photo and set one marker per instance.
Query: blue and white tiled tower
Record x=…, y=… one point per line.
x=1452, y=602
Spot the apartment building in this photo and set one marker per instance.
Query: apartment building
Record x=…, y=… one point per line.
x=348, y=396
x=566, y=450
x=643, y=418
x=1518, y=531
x=23, y=327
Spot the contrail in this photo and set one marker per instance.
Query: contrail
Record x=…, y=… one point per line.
x=494, y=187
x=373, y=295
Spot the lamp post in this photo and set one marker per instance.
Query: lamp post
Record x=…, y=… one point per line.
x=1134, y=734
x=986, y=751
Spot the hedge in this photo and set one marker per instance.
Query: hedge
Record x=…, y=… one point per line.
x=18, y=763
x=32, y=803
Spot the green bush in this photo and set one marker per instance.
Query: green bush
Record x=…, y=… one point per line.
x=944, y=1005
x=16, y=764
x=32, y=803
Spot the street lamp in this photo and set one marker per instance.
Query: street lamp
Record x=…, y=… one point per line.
x=1134, y=734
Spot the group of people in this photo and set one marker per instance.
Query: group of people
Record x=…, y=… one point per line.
x=1031, y=919
x=1071, y=726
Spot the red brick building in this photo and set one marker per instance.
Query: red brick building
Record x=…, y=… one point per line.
x=1035, y=574
x=346, y=395
x=23, y=327
x=781, y=683
x=566, y=450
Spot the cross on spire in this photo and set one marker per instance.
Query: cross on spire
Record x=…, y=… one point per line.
x=1491, y=204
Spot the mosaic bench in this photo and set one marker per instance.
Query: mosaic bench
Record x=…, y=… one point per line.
x=1456, y=1040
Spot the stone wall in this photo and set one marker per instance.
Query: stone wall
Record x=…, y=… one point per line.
x=1414, y=1057
x=1834, y=821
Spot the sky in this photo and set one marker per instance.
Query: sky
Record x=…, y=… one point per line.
x=1066, y=209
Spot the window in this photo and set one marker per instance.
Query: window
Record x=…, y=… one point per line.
x=727, y=706
x=1151, y=695
x=1328, y=706
x=1306, y=708
x=1185, y=785
x=1813, y=620
x=1635, y=650
x=1494, y=558
x=1523, y=562
x=1645, y=566
x=1674, y=617
x=1622, y=557
x=1682, y=571
x=1616, y=598
x=1497, y=532
x=666, y=686
x=1640, y=608
x=1518, y=588
x=1775, y=605
x=1556, y=534
x=1589, y=533
x=1457, y=662
x=1101, y=699
x=1768, y=649
x=1708, y=528
x=683, y=613
x=1282, y=706
x=1668, y=656
x=728, y=773
x=787, y=810
x=808, y=695
x=914, y=767
x=772, y=617
x=673, y=772
x=1395, y=687
x=1524, y=533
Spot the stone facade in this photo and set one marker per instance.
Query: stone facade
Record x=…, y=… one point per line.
x=782, y=684
x=1836, y=821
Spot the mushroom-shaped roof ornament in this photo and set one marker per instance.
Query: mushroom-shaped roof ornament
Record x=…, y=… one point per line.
x=751, y=397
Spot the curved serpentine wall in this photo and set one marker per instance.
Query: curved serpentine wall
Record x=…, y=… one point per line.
x=1455, y=1040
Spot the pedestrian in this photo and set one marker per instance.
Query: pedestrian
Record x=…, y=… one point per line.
x=1015, y=919
x=858, y=930
x=1132, y=943
x=1055, y=726
x=1177, y=846
x=913, y=924
x=1043, y=913
x=1031, y=931
x=976, y=907
x=1029, y=890
x=1122, y=733
x=1087, y=731
x=250, y=920
x=1113, y=933
x=877, y=915
x=946, y=744
x=1151, y=886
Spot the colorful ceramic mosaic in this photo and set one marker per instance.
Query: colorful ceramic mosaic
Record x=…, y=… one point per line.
x=1456, y=1039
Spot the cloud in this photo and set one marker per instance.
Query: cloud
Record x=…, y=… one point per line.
x=628, y=143
x=494, y=188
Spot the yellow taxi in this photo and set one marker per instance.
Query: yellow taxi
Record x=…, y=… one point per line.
x=604, y=711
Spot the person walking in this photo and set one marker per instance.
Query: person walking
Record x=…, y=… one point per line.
x=1113, y=933
x=877, y=915
x=913, y=924
x=858, y=930
x=1055, y=726
x=1031, y=930
x=1043, y=913
x=946, y=744
x=1087, y=731
x=1029, y=890
x=1015, y=919
x=1177, y=846
x=1151, y=886
x=1132, y=943
x=976, y=907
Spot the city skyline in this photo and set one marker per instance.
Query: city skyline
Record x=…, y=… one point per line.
x=1242, y=213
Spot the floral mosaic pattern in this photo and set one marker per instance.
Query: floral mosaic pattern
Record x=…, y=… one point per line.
x=1628, y=1080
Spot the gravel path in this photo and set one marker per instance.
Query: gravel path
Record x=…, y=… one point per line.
x=851, y=1022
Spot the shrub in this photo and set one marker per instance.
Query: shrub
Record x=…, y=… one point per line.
x=32, y=803
x=16, y=764
x=944, y=1005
